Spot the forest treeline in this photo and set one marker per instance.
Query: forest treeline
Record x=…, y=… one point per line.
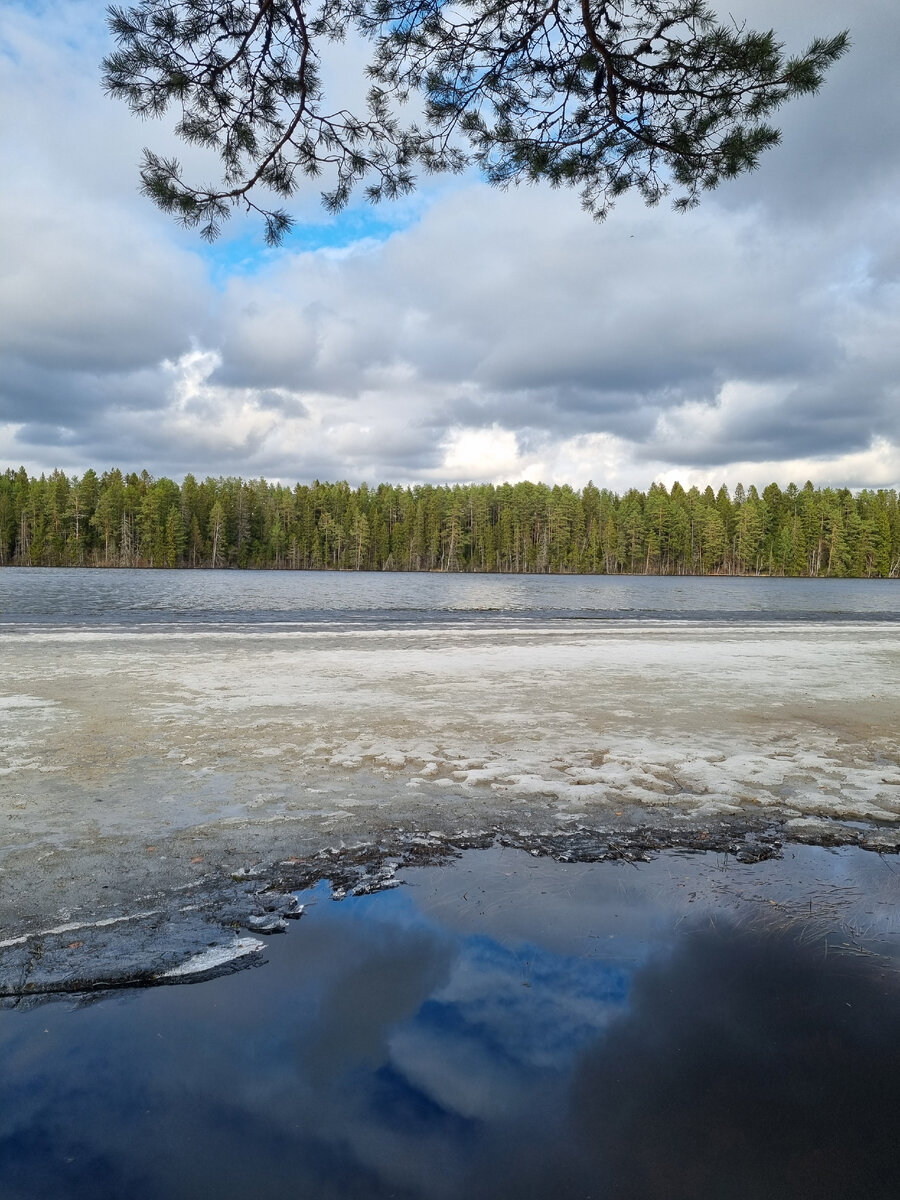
x=131, y=520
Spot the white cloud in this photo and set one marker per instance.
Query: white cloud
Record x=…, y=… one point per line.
x=476, y=454
x=878, y=466
x=495, y=336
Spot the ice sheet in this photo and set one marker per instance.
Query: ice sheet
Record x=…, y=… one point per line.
x=130, y=733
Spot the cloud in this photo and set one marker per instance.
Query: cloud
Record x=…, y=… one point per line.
x=839, y=149
x=737, y=1074
x=489, y=335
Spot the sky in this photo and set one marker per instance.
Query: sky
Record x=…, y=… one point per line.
x=464, y=333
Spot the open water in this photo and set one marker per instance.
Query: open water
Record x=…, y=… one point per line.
x=504, y=1027
x=161, y=598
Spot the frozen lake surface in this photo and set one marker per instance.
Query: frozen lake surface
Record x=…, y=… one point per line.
x=165, y=731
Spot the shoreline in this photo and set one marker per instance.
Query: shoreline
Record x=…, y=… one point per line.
x=185, y=933
x=178, y=777
x=532, y=1026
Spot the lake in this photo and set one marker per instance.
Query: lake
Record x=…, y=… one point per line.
x=504, y=1026
x=586, y=1005
x=128, y=597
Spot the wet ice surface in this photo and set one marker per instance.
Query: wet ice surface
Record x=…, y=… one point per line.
x=690, y=719
x=502, y=1027
x=165, y=732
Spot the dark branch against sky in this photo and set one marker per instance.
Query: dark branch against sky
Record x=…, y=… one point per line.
x=461, y=333
x=606, y=96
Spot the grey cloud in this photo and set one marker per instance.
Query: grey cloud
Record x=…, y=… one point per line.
x=492, y=310
x=283, y=402
x=74, y=398
x=815, y=418
x=563, y=412
x=87, y=290
x=840, y=148
x=693, y=304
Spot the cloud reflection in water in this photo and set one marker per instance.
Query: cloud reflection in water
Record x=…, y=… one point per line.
x=404, y=1045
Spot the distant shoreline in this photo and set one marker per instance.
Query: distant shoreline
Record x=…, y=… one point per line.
x=117, y=520
x=234, y=568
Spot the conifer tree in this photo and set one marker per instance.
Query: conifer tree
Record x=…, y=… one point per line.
x=602, y=95
x=138, y=521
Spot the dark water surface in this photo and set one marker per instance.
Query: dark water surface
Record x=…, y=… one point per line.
x=505, y=1026
x=98, y=596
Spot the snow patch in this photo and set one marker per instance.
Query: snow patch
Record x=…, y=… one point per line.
x=213, y=958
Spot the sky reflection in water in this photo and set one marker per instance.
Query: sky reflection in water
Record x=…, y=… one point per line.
x=506, y=1027
x=125, y=597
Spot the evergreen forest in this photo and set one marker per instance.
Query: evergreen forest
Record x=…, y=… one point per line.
x=135, y=520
